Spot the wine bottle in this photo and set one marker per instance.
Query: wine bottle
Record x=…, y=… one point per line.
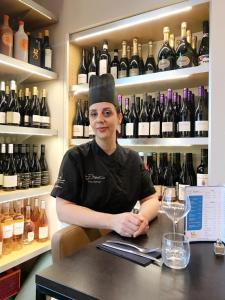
x=9, y=174
x=21, y=102
x=201, y=115
x=184, y=52
x=114, y=66
x=168, y=126
x=44, y=167
x=2, y=163
x=128, y=54
x=22, y=168
x=132, y=124
x=141, y=62
x=104, y=59
x=35, y=216
x=27, y=108
x=202, y=169
x=150, y=65
x=83, y=72
x=162, y=166
x=18, y=226
x=203, y=53
x=166, y=55
x=168, y=177
x=92, y=68
x=125, y=118
x=78, y=127
x=6, y=37
x=35, y=118
x=46, y=52
x=21, y=43
x=12, y=113
x=3, y=104
x=7, y=228
x=188, y=176
x=119, y=99
x=134, y=62
x=35, y=169
x=86, y=122
x=143, y=124
x=124, y=64
x=44, y=111
x=155, y=120
x=176, y=169
x=28, y=234
x=185, y=117
x=172, y=43
x=176, y=113
x=155, y=176
x=194, y=47
x=42, y=224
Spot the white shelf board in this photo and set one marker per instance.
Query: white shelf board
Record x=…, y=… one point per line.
x=26, y=193
x=175, y=79
x=19, y=256
x=154, y=142
x=11, y=68
x=19, y=130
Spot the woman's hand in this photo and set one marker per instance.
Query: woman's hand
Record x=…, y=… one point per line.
x=127, y=224
x=143, y=228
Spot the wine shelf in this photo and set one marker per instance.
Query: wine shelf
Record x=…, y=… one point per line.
x=27, y=193
x=27, y=131
x=153, y=142
x=175, y=79
x=12, y=68
x=34, y=15
x=27, y=252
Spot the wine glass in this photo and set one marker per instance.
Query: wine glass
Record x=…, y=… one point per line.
x=174, y=208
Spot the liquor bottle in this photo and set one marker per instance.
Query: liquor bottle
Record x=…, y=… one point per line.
x=92, y=68
x=124, y=63
x=7, y=228
x=155, y=120
x=6, y=37
x=184, y=52
x=168, y=177
x=114, y=66
x=34, y=49
x=13, y=113
x=194, y=47
x=3, y=104
x=168, y=126
x=21, y=43
x=143, y=124
x=27, y=108
x=44, y=167
x=35, y=109
x=86, y=122
x=125, y=119
x=18, y=226
x=35, y=169
x=185, y=117
x=201, y=115
x=22, y=168
x=2, y=163
x=42, y=224
x=202, y=169
x=35, y=216
x=150, y=65
x=188, y=176
x=28, y=234
x=132, y=124
x=134, y=62
x=44, y=111
x=176, y=169
x=46, y=52
x=83, y=71
x=166, y=55
x=203, y=53
x=141, y=62
x=104, y=59
x=155, y=176
x=78, y=127
x=10, y=175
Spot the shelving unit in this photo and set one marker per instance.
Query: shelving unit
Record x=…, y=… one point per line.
x=26, y=131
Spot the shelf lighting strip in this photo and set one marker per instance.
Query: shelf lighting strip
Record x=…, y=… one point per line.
x=33, y=8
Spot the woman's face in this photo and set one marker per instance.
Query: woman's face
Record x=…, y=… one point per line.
x=104, y=119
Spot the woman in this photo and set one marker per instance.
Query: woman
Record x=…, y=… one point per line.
x=99, y=182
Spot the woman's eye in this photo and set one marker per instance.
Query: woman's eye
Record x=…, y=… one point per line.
x=107, y=113
x=93, y=115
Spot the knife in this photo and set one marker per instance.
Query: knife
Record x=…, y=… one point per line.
x=157, y=261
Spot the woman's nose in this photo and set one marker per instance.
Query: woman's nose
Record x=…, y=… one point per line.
x=100, y=118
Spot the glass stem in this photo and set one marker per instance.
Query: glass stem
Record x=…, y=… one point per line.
x=174, y=227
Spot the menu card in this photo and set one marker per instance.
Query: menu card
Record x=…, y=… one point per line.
x=206, y=220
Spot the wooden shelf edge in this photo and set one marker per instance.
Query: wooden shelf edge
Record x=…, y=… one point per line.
x=20, y=130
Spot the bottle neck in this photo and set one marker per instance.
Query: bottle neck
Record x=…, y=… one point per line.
x=124, y=50
x=135, y=49
x=166, y=37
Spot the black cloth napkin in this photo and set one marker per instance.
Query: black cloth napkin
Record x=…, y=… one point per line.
x=142, y=261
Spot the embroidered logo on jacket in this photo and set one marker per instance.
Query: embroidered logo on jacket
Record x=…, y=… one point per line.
x=91, y=178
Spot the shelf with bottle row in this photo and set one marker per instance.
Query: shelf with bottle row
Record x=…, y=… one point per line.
x=154, y=142
x=175, y=79
x=26, y=131
x=23, y=72
x=27, y=252
x=26, y=193
x=33, y=14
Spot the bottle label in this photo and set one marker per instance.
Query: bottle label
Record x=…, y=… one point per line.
x=82, y=78
x=1, y=179
x=167, y=126
x=171, y=195
x=113, y=71
x=90, y=74
x=44, y=177
x=43, y=232
x=122, y=73
x=78, y=130
x=185, y=126
x=91, y=131
x=155, y=128
x=9, y=181
x=12, y=117
x=134, y=72
x=183, y=61
x=23, y=44
x=7, y=231
x=202, y=59
x=164, y=64
x=30, y=236
x=202, y=179
x=182, y=191
x=86, y=131
x=45, y=120
x=103, y=66
x=23, y=180
x=48, y=58
x=143, y=128
x=2, y=117
x=18, y=228
x=7, y=39
x=35, y=179
x=201, y=125
x=26, y=120
x=158, y=190
x=129, y=129
x=149, y=72
x=36, y=119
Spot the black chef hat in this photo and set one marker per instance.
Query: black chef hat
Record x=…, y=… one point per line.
x=102, y=89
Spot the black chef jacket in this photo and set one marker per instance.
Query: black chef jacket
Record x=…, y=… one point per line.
x=106, y=183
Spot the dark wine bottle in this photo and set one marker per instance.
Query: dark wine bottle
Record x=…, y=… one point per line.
x=114, y=66
x=125, y=118
x=23, y=174
x=176, y=113
x=120, y=99
x=21, y=102
x=185, y=117
x=86, y=123
x=194, y=47
x=172, y=43
x=143, y=124
x=203, y=53
x=184, y=52
x=3, y=104
x=188, y=176
x=201, y=115
x=155, y=176
x=168, y=126
x=83, y=72
x=27, y=108
x=2, y=163
x=35, y=109
x=190, y=43
x=134, y=62
x=176, y=168
x=166, y=55
x=124, y=64
x=168, y=176
x=46, y=52
x=44, y=111
x=132, y=124
x=35, y=169
x=78, y=126
x=141, y=62
x=162, y=167
x=9, y=174
x=92, y=68
x=44, y=167
x=104, y=60
x=13, y=113
x=202, y=169
x=150, y=65
x=155, y=120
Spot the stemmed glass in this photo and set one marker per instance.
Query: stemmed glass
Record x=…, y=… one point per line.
x=174, y=208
